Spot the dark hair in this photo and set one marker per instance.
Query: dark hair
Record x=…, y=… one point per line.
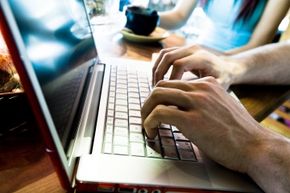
x=246, y=9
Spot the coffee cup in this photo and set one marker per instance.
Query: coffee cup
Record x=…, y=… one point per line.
x=141, y=20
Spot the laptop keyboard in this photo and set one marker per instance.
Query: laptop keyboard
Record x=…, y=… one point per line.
x=124, y=134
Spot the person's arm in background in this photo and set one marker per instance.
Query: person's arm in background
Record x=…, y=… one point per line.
x=267, y=64
x=266, y=28
x=178, y=16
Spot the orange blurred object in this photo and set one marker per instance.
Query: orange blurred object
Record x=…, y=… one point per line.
x=9, y=79
x=2, y=43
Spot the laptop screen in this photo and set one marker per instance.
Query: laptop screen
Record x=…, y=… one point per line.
x=59, y=44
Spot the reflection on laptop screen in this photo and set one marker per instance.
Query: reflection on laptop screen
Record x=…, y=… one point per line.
x=59, y=45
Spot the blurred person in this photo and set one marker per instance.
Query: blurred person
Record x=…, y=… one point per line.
x=235, y=25
x=212, y=119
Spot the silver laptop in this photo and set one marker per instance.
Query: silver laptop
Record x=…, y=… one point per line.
x=88, y=108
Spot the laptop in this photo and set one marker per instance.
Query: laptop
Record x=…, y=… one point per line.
x=88, y=108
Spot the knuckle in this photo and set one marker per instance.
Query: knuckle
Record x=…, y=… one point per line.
x=210, y=79
x=187, y=98
x=206, y=84
x=167, y=56
x=161, y=83
x=157, y=91
x=163, y=51
x=157, y=112
x=177, y=64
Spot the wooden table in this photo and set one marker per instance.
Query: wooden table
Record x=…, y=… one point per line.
x=24, y=166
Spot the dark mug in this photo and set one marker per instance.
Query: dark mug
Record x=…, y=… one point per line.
x=142, y=21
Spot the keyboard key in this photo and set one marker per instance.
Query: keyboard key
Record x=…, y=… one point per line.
x=121, y=115
x=144, y=84
x=133, y=90
x=144, y=90
x=144, y=94
x=132, y=84
x=185, y=145
x=134, y=113
x=108, y=148
x=164, y=126
x=135, y=128
x=121, y=108
x=165, y=133
x=174, y=129
x=108, y=137
x=187, y=155
x=111, y=106
x=112, y=94
x=123, y=86
x=120, y=140
x=170, y=153
x=121, y=96
x=121, y=91
x=112, y=100
x=133, y=95
x=135, y=120
x=109, y=129
x=121, y=150
x=121, y=123
x=110, y=120
x=121, y=131
x=110, y=113
x=134, y=107
x=136, y=137
x=121, y=102
x=165, y=141
x=134, y=101
x=122, y=80
x=137, y=149
x=179, y=136
x=153, y=148
x=152, y=152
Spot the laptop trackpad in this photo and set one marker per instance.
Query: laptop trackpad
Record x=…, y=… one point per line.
x=135, y=170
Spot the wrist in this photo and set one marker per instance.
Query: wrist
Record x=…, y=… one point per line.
x=268, y=163
x=234, y=72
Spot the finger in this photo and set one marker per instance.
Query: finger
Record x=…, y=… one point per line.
x=166, y=96
x=180, y=66
x=161, y=53
x=177, y=84
x=159, y=58
x=167, y=60
x=162, y=114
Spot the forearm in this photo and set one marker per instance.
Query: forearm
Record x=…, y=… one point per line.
x=178, y=16
x=268, y=64
x=171, y=20
x=270, y=165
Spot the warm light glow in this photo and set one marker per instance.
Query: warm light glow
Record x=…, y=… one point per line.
x=284, y=24
x=2, y=43
x=45, y=52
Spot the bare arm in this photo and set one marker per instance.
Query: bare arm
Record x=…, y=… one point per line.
x=177, y=17
x=269, y=64
x=266, y=28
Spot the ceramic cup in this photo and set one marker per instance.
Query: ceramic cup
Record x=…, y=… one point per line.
x=142, y=21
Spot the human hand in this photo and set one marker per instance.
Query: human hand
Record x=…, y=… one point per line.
x=208, y=116
x=196, y=60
